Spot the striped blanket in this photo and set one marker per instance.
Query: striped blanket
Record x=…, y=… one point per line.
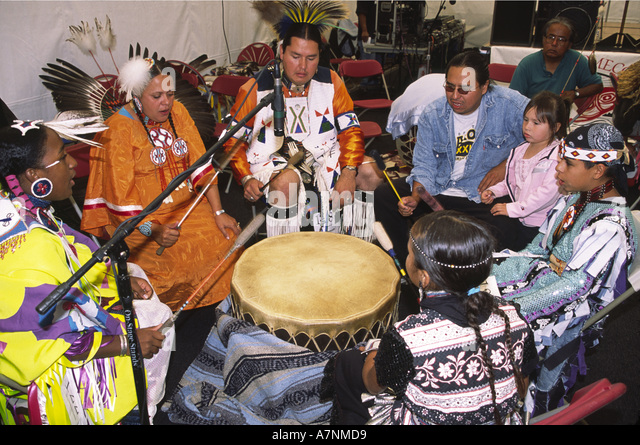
x=246, y=376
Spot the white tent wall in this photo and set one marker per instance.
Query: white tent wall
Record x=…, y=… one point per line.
x=34, y=33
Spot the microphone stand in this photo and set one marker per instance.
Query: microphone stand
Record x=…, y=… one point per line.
x=117, y=250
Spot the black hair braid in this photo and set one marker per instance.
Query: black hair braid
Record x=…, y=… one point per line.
x=139, y=114
x=475, y=304
x=520, y=381
x=173, y=127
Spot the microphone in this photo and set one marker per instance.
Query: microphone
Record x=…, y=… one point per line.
x=385, y=242
x=278, y=102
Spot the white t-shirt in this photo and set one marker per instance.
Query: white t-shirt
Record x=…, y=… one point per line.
x=464, y=128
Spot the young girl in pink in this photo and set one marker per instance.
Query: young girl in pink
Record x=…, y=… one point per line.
x=529, y=181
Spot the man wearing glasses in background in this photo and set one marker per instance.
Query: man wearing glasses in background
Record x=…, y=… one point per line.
x=462, y=143
x=554, y=68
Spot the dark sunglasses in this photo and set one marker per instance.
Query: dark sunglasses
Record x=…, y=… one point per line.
x=461, y=90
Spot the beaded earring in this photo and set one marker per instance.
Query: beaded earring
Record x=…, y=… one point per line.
x=41, y=188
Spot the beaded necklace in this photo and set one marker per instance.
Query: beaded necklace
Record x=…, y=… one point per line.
x=575, y=209
x=163, y=143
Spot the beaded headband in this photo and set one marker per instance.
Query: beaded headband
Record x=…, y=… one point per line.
x=595, y=143
x=451, y=266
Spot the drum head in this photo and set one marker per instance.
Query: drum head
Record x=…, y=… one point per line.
x=316, y=289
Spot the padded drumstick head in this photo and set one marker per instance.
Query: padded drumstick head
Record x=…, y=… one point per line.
x=379, y=161
x=382, y=236
x=248, y=231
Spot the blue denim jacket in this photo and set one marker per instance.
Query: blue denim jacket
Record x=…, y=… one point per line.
x=498, y=130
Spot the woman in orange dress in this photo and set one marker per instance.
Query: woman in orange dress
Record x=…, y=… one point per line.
x=150, y=141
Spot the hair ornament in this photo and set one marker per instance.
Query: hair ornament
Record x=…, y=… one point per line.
x=134, y=76
x=595, y=143
x=25, y=126
x=451, y=266
x=68, y=124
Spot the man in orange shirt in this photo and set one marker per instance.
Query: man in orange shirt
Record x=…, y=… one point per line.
x=320, y=121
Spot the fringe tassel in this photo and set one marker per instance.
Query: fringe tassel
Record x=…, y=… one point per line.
x=359, y=218
x=281, y=220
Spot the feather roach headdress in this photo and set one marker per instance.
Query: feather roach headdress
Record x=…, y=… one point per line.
x=282, y=14
x=74, y=89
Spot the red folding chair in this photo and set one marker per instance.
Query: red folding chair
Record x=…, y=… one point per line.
x=501, y=72
x=584, y=402
x=226, y=86
x=366, y=68
x=258, y=52
x=360, y=69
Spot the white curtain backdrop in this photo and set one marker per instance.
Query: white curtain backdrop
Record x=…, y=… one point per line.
x=34, y=33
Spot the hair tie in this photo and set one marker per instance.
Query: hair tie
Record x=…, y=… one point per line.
x=473, y=290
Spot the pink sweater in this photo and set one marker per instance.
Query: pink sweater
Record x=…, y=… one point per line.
x=530, y=183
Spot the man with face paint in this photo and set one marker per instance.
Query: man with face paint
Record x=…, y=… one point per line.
x=463, y=140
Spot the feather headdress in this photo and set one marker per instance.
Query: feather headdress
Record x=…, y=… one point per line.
x=73, y=89
x=284, y=13
x=135, y=76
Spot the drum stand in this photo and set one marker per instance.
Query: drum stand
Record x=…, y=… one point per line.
x=116, y=249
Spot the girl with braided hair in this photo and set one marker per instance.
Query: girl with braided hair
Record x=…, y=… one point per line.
x=463, y=359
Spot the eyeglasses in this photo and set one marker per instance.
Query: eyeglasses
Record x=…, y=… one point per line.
x=465, y=89
x=553, y=38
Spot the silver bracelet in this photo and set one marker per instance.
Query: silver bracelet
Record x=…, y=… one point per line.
x=145, y=228
x=124, y=345
x=246, y=179
x=219, y=212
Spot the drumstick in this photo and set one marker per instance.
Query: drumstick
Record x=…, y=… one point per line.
x=222, y=166
x=429, y=199
x=385, y=242
x=244, y=236
x=294, y=161
x=380, y=163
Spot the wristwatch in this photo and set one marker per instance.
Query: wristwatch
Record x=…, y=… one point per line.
x=351, y=167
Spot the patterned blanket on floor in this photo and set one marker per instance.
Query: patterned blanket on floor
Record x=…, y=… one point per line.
x=246, y=376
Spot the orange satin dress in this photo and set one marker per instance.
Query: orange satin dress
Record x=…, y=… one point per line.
x=123, y=180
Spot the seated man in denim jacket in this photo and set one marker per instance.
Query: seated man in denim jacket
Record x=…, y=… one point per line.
x=462, y=143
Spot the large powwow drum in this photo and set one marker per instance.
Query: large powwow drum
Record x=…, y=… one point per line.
x=319, y=290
